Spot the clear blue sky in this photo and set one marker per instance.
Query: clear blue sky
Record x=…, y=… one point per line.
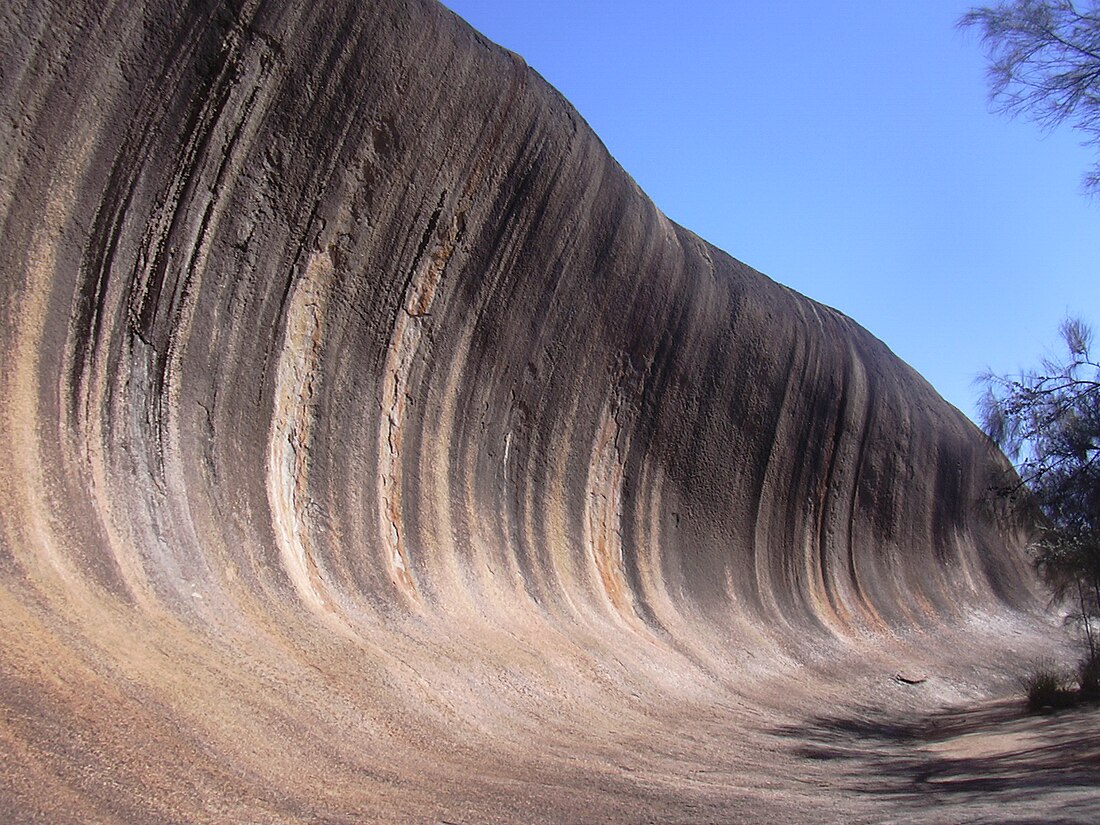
x=845, y=149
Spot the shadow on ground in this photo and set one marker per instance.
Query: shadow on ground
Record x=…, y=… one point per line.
x=997, y=759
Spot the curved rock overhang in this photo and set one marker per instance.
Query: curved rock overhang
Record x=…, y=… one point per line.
x=368, y=439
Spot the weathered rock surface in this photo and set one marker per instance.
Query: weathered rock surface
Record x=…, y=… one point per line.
x=371, y=448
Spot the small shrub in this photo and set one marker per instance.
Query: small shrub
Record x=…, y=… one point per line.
x=1088, y=676
x=1046, y=686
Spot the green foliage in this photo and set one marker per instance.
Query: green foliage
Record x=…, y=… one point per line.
x=1048, y=421
x=1044, y=62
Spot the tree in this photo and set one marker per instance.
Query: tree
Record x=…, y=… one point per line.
x=1044, y=62
x=1048, y=421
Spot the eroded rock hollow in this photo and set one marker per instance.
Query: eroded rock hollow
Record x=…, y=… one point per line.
x=372, y=448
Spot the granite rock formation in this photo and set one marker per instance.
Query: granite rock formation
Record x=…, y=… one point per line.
x=372, y=448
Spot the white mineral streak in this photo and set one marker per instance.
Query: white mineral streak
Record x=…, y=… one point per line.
x=401, y=354
x=603, y=519
x=291, y=425
x=19, y=398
